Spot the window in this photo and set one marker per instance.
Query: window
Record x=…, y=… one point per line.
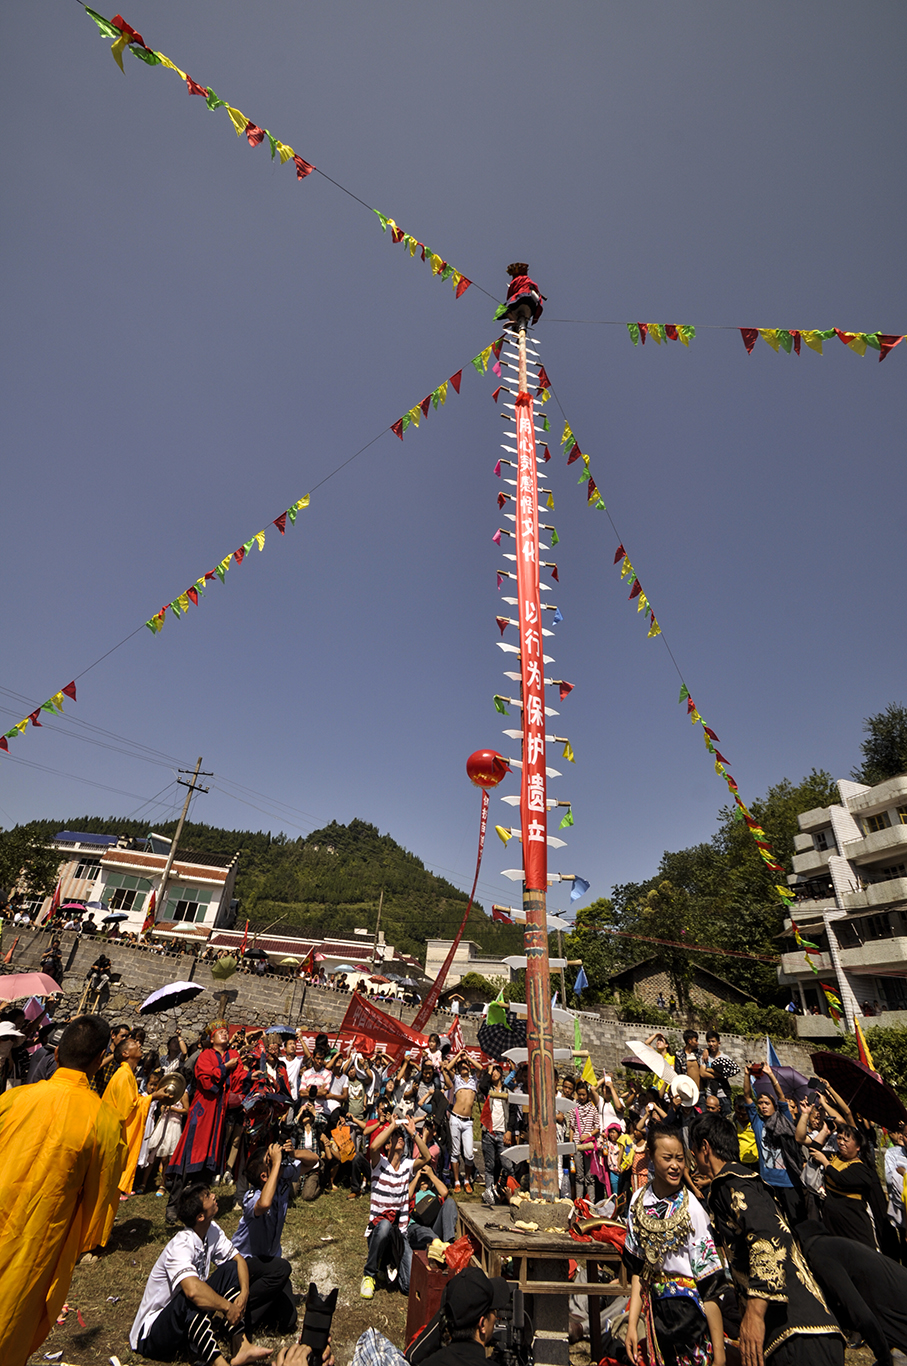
x=886, y=874
x=88, y=868
x=877, y=927
x=902, y=814
x=880, y=822
x=123, y=899
x=187, y=903
x=122, y=892
x=848, y=934
x=821, y=839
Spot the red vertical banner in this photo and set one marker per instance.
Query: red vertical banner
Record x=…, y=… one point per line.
x=533, y=808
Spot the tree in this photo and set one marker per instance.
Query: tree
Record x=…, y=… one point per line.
x=885, y=748
x=26, y=863
x=601, y=953
x=889, y=1054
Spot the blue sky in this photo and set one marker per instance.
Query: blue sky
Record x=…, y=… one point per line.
x=192, y=340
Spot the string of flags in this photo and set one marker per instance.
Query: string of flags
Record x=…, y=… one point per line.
x=438, y=397
x=778, y=338
x=181, y=603
x=126, y=37
x=54, y=705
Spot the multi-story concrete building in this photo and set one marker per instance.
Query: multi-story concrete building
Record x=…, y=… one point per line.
x=850, y=877
x=111, y=874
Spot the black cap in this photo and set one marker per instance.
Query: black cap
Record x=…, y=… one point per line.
x=471, y=1294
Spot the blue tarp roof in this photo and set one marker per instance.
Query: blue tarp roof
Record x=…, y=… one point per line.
x=75, y=837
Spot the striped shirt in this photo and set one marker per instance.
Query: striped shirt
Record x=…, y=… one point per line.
x=390, y=1190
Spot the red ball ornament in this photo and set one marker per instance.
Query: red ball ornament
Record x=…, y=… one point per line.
x=486, y=768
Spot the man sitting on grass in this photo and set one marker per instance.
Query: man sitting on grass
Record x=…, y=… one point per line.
x=272, y=1172
x=202, y=1296
x=392, y=1173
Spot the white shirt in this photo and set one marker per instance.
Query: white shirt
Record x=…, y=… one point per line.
x=390, y=1190
x=185, y=1255
x=339, y=1088
x=293, y=1066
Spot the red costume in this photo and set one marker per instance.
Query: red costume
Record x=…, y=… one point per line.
x=201, y=1144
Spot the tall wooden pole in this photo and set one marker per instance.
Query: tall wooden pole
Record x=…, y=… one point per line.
x=544, y=1183
x=165, y=875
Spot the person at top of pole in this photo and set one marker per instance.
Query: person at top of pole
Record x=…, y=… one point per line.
x=524, y=298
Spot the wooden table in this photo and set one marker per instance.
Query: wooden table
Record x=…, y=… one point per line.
x=534, y=1252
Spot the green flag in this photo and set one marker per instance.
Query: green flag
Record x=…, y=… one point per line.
x=577, y=1038
x=634, y=333
x=497, y=1010
x=106, y=27
x=568, y=819
x=546, y=425
x=684, y=693
x=213, y=102
x=145, y=54
x=499, y=705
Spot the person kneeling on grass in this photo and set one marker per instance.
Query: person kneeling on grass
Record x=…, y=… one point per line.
x=674, y=1264
x=433, y=1210
x=203, y=1296
x=392, y=1173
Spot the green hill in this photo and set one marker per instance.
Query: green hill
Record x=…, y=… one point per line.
x=328, y=883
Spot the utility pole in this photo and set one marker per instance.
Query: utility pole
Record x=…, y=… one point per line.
x=193, y=787
x=377, y=927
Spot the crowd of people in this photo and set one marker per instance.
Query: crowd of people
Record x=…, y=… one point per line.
x=746, y=1214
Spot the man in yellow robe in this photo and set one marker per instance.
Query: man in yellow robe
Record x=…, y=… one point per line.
x=121, y=1096
x=61, y=1156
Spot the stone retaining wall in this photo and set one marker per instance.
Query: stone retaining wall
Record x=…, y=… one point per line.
x=268, y=1000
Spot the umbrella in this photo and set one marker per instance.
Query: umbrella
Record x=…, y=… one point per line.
x=290, y=961
x=378, y=978
x=395, y=977
x=319, y=957
x=861, y=1089
x=792, y=1083
x=20, y=984
x=223, y=968
x=495, y=1039
x=287, y=1031
x=73, y=906
x=344, y=967
x=255, y=953
x=408, y=982
x=169, y=997
x=96, y=905
x=632, y=1063
x=653, y=1060
x=114, y=915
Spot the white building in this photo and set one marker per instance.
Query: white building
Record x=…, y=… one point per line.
x=468, y=958
x=111, y=874
x=850, y=877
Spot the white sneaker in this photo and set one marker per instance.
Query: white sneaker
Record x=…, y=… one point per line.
x=367, y=1288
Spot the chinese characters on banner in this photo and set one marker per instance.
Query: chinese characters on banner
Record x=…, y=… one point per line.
x=533, y=807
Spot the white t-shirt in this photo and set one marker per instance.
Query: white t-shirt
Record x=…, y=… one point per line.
x=339, y=1089
x=185, y=1255
x=293, y=1066
x=390, y=1190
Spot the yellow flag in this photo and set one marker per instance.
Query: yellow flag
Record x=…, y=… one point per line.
x=436, y=264
x=285, y=153
x=57, y=700
x=813, y=340
x=654, y=629
x=544, y=396
x=588, y=1073
x=694, y=717
x=238, y=120
x=226, y=562
x=415, y=414
x=165, y=61
x=858, y=344
x=682, y=336
x=184, y=601
x=486, y=357
x=567, y=433
x=117, y=51
x=625, y=567
x=643, y=602
x=303, y=502
x=260, y=538
x=719, y=767
x=770, y=335
x=568, y=752
x=586, y=461
x=655, y=332
x=21, y=726
x=550, y=502
x=413, y=244
x=455, y=279
x=503, y=835
x=442, y=392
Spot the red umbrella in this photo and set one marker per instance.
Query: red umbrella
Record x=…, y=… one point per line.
x=861, y=1089
x=19, y=984
x=378, y=978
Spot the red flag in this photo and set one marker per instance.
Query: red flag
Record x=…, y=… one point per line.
x=281, y=523
x=455, y=1034
x=546, y=455
x=691, y=706
x=54, y=902
x=502, y=499
x=643, y=332
x=719, y=758
x=149, y=914
x=671, y=332
x=463, y=285
x=635, y=591
x=244, y=938
x=240, y=554
x=425, y=405
x=574, y=454
x=619, y=553
x=70, y=689
x=192, y=595
x=127, y=30
x=210, y=574
x=254, y=133
x=455, y=380
x=497, y=347
x=796, y=337
x=554, y=573
x=592, y=493
x=397, y=234
x=565, y=688
x=846, y=337
x=497, y=391
x=498, y=914
x=503, y=623
x=303, y=168
x=749, y=335
x=544, y=381
x=711, y=734
x=195, y=89
x=308, y=964
x=397, y=428
x=34, y=717
x=8, y=958
x=4, y=743
x=887, y=342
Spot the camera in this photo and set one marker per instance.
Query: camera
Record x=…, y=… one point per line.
x=316, y=1326
x=511, y=1342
